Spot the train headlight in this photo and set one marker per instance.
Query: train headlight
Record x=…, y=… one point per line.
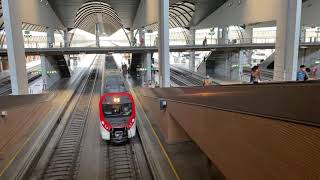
x=116, y=100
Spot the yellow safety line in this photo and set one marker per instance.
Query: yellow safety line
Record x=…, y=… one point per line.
x=158, y=139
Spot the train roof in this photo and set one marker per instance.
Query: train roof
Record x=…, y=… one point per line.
x=114, y=83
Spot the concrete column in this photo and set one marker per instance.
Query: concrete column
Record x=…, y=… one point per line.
x=287, y=45
x=142, y=37
x=66, y=38
x=132, y=40
x=247, y=35
x=97, y=35
x=228, y=65
x=242, y=60
x=303, y=34
x=15, y=46
x=67, y=43
x=147, y=63
x=50, y=37
x=1, y=66
x=44, y=72
x=164, y=57
x=192, y=60
x=223, y=35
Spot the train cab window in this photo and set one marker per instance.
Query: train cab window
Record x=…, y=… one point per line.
x=117, y=110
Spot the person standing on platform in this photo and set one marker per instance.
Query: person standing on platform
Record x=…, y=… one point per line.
x=207, y=81
x=302, y=74
x=142, y=43
x=255, y=77
x=204, y=43
x=315, y=72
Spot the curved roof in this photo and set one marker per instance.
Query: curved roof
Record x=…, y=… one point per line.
x=95, y=12
x=180, y=15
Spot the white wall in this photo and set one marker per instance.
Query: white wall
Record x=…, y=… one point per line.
x=311, y=13
x=254, y=11
x=245, y=12
x=147, y=13
x=38, y=13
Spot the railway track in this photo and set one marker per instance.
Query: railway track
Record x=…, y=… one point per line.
x=63, y=161
x=61, y=158
x=122, y=163
x=5, y=86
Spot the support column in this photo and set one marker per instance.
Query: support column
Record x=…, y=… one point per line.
x=50, y=37
x=66, y=38
x=15, y=46
x=142, y=37
x=242, y=60
x=97, y=35
x=67, y=43
x=164, y=57
x=287, y=45
x=132, y=38
x=192, y=60
x=44, y=72
x=223, y=35
x=228, y=65
x=1, y=65
x=247, y=35
x=147, y=61
x=303, y=34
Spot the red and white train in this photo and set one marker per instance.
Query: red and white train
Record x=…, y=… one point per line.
x=116, y=107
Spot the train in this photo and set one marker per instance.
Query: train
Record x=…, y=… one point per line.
x=117, y=110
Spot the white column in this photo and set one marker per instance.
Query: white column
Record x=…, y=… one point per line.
x=67, y=43
x=242, y=60
x=132, y=37
x=247, y=35
x=287, y=45
x=223, y=35
x=15, y=46
x=164, y=57
x=97, y=35
x=1, y=65
x=50, y=37
x=148, y=67
x=192, y=63
x=228, y=65
x=303, y=34
x=44, y=71
x=66, y=38
x=142, y=37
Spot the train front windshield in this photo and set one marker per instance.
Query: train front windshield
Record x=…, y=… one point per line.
x=117, y=110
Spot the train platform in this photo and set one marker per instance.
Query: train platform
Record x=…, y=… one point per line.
x=184, y=159
x=270, y=138
x=29, y=120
